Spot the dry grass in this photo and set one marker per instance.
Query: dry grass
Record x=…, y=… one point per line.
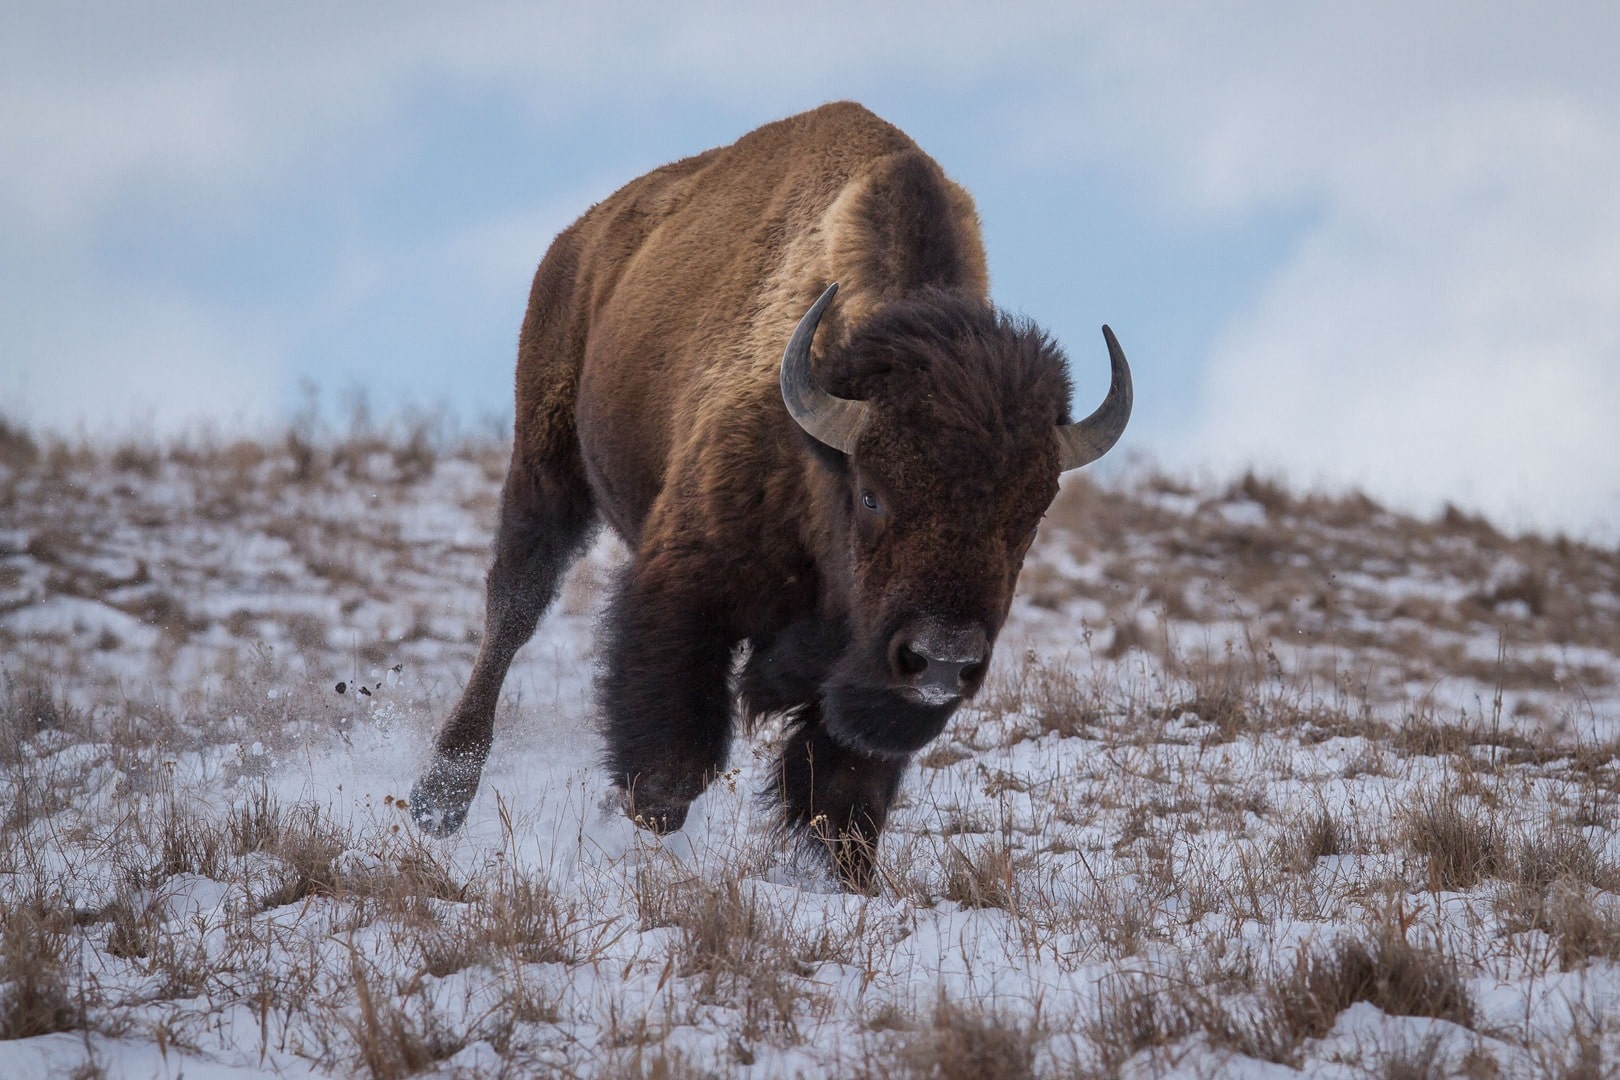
x=518, y=919
x=395, y=1035
x=1425, y=1061
x=1054, y=695
x=737, y=951
x=1272, y=1020
x=1583, y=1056
x=981, y=876
x=1462, y=845
x=955, y=1041
x=645, y=1061
x=1559, y=884
x=18, y=448
x=308, y=846
x=1134, y=1018
x=1581, y=926
x=1312, y=836
x=526, y=921
x=30, y=705
x=39, y=991
x=1383, y=969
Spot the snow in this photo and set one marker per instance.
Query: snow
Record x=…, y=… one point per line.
x=1032, y=869
x=70, y=616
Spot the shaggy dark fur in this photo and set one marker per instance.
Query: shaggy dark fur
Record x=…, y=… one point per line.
x=647, y=396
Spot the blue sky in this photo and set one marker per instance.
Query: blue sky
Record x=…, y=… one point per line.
x=1372, y=244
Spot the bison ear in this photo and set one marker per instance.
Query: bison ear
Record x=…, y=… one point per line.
x=1087, y=440
x=835, y=421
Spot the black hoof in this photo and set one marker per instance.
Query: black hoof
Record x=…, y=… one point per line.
x=655, y=815
x=853, y=858
x=440, y=799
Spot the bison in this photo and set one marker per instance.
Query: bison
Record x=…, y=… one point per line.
x=774, y=370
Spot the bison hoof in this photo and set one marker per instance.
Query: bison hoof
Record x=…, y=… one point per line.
x=656, y=816
x=440, y=799
x=854, y=861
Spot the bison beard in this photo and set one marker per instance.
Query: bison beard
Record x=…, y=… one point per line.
x=862, y=549
x=844, y=754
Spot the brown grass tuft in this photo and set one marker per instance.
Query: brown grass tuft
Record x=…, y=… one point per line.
x=37, y=991
x=1461, y=845
x=308, y=845
x=29, y=704
x=981, y=877
x=1052, y=694
x=18, y=449
x=1224, y=691
x=525, y=920
x=391, y=1042
x=1385, y=970
x=1272, y=1022
x=1560, y=885
x=1137, y=1015
x=1311, y=837
x=738, y=952
x=957, y=1041
x=1421, y=1062
x=1132, y=1018
x=652, y=1062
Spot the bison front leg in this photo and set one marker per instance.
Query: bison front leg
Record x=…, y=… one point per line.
x=546, y=517
x=839, y=797
x=666, y=710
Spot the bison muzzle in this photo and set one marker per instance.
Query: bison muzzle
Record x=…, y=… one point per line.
x=774, y=370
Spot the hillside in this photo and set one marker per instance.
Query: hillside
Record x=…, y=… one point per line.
x=1261, y=782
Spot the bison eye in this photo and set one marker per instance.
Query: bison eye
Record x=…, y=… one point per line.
x=869, y=500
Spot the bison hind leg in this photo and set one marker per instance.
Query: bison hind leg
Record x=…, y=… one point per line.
x=836, y=797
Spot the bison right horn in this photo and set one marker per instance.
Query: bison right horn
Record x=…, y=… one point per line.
x=835, y=421
x=1087, y=440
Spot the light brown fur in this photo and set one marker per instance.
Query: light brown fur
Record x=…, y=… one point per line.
x=692, y=292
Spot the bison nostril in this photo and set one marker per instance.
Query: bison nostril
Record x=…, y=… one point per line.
x=908, y=663
x=971, y=673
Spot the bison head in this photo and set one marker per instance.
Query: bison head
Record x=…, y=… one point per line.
x=944, y=426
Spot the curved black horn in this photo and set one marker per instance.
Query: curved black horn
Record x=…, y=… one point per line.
x=832, y=420
x=1087, y=440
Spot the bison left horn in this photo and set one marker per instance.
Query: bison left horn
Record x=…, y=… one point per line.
x=834, y=421
x=1087, y=440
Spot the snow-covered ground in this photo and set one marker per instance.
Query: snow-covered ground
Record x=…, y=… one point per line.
x=1261, y=783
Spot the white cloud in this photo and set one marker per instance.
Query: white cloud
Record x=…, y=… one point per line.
x=194, y=96
x=1448, y=325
